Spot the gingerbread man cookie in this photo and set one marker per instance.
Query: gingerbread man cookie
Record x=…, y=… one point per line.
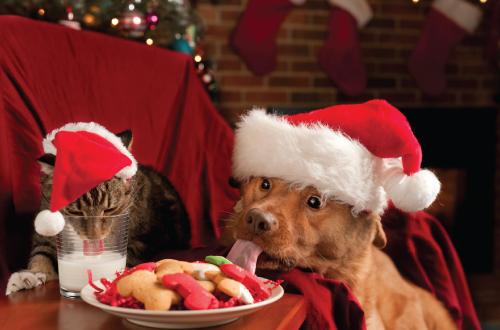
x=143, y=286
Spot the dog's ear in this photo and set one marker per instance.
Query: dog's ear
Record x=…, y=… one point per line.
x=379, y=240
x=241, y=185
x=233, y=182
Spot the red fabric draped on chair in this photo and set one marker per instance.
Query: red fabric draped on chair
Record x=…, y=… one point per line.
x=51, y=75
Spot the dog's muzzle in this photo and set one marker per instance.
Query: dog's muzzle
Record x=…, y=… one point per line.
x=259, y=222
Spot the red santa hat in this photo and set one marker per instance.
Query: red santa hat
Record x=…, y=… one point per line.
x=361, y=155
x=87, y=155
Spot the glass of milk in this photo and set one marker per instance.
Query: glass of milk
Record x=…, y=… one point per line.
x=95, y=243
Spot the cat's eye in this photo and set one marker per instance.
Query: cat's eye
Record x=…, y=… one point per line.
x=75, y=213
x=110, y=211
x=314, y=202
x=265, y=184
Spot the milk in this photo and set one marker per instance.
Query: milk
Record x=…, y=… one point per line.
x=73, y=269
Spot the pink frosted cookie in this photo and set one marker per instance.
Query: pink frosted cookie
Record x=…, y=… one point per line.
x=246, y=278
x=195, y=296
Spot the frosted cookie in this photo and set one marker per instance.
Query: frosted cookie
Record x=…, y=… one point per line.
x=199, y=269
x=230, y=287
x=246, y=278
x=217, y=260
x=195, y=296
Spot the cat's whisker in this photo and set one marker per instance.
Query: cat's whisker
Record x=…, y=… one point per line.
x=134, y=197
x=46, y=202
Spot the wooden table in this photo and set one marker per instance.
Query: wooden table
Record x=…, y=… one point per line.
x=44, y=308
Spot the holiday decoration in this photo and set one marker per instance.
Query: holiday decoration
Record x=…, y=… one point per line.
x=87, y=155
x=254, y=38
x=181, y=45
x=169, y=24
x=340, y=56
x=132, y=23
x=207, y=77
x=155, y=22
x=493, y=45
x=361, y=155
x=448, y=22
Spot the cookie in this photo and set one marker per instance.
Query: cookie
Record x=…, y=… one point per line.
x=195, y=296
x=199, y=269
x=171, y=266
x=230, y=287
x=143, y=286
x=246, y=278
x=217, y=260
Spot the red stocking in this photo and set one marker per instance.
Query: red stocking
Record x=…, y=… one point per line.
x=446, y=25
x=254, y=38
x=340, y=56
x=493, y=44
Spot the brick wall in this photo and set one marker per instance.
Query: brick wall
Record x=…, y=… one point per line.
x=386, y=42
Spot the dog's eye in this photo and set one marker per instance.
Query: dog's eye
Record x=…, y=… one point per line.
x=265, y=184
x=314, y=202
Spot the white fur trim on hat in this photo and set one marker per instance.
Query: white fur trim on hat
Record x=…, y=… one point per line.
x=409, y=193
x=125, y=173
x=340, y=168
x=49, y=223
x=360, y=9
x=463, y=13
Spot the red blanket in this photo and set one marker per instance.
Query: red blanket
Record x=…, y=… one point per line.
x=420, y=249
x=51, y=75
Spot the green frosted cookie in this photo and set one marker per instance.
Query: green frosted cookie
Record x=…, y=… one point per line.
x=217, y=260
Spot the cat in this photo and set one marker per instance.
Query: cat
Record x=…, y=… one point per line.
x=158, y=219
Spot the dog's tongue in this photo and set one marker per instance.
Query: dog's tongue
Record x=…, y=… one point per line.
x=244, y=254
x=93, y=247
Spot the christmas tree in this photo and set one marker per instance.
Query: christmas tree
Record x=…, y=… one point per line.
x=171, y=24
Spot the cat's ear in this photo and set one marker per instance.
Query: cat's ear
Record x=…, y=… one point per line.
x=47, y=162
x=126, y=137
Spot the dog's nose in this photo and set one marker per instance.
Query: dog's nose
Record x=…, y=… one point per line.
x=259, y=221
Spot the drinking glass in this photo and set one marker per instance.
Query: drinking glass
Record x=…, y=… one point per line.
x=98, y=244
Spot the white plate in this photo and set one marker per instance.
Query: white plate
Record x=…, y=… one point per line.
x=179, y=319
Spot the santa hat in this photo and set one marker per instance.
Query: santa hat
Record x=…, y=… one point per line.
x=87, y=155
x=361, y=155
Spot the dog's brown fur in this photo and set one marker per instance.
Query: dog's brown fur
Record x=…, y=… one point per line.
x=334, y=243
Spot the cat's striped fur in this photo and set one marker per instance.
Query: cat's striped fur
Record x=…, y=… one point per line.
x=158, y=219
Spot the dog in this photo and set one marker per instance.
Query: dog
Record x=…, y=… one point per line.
x=296, y=227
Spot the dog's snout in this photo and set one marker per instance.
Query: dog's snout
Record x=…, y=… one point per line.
x=259, y=221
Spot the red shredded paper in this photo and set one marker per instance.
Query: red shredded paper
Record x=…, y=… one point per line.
x=110, y=295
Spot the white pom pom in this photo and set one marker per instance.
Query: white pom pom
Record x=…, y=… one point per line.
x=411, y=193
x=49, y=223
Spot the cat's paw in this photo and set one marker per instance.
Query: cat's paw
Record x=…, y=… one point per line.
x=24, y=280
